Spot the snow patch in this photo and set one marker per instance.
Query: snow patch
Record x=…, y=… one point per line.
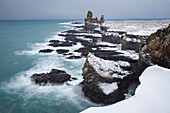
x=123, y=63
x=82, y=38
x=108, y=88
x=105, y=43
x=129, y=53
x=131, y=39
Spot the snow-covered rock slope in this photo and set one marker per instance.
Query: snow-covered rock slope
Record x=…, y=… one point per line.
x=152, y=95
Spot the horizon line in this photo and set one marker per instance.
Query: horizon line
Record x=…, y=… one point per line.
x=105, y=19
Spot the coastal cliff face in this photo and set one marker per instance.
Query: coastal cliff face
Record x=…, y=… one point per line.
x=156, y=48
x=111, y=78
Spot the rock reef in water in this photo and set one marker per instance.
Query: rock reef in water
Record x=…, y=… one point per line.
x=55, y=77
x=46, y=51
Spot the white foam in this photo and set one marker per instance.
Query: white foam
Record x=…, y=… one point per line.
x=66, y=23
x=22, y=85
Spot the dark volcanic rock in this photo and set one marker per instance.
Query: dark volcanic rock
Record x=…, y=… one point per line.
x=61, y=51
x=57, y=43
x=112, y=39
x=73, y=57
x=84, y=51
x=67, y=53
x=55, y=76
x=46, y=51
x=77, y=22
x=74, y=78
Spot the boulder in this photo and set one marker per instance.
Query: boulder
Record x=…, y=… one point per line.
x=55, y=76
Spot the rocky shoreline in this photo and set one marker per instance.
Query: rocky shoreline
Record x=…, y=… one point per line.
x=114, y=60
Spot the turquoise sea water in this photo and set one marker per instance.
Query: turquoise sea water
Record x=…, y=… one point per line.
x=20, y=42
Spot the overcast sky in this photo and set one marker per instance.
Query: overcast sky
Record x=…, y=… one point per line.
x=77, y=9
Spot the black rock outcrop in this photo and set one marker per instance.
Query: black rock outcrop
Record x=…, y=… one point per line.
x=55, y=76
x=46, y=51
x=62, y=51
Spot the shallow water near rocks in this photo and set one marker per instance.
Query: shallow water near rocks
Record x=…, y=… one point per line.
x=19, y=46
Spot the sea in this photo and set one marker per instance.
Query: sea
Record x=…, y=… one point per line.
x=20, y=42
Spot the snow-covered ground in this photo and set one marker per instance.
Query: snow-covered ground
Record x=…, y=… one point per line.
x=137, y=27
x=152, y=95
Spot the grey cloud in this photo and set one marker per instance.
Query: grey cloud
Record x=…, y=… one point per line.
x=73, y=9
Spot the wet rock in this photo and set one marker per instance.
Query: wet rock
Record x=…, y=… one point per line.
x=61, y=51
x=46, y=51
x=77, y=22
x=56, y=43
x=74, y=78
x=73, y=57
x=67, y=53
x=55, y=76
